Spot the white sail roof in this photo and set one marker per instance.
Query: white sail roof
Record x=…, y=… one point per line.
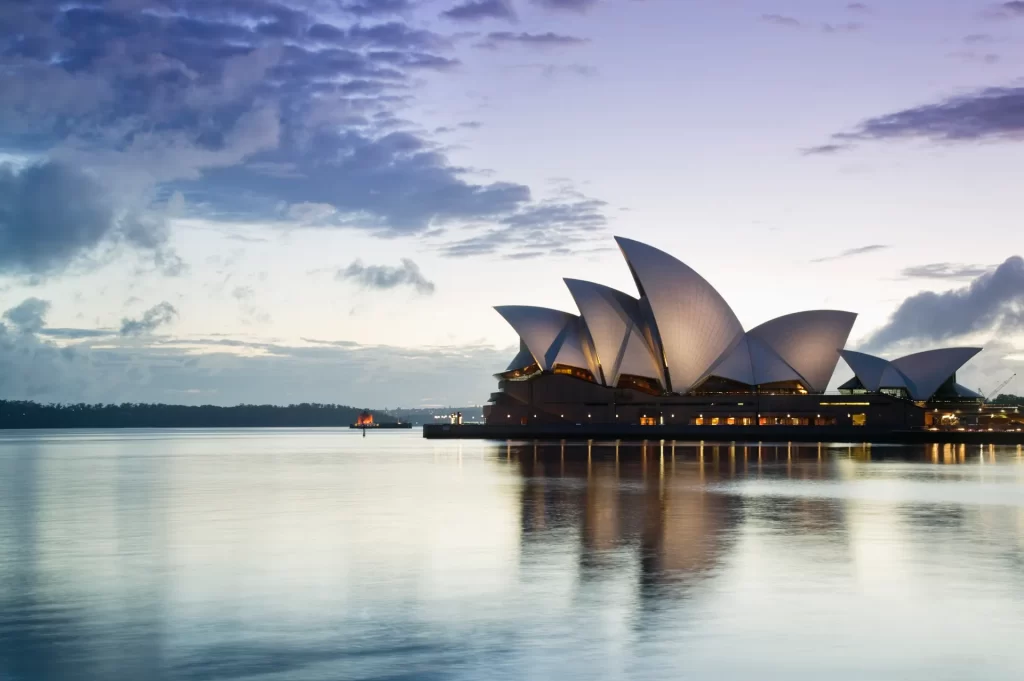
x=928, y=370
x=867, y=368
x=695, y=325
x=613, y=320
x=735, y=364
x=539, y=328
x=809, y=342
x=921, y=373
x=570, y=349
x=522, y=359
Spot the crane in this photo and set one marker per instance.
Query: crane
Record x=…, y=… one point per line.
x=995, y=393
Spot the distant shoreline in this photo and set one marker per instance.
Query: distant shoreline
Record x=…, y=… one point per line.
x=24, y=415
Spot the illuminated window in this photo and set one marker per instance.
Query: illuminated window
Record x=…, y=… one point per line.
x=714, y=420
x=699, y=421
x=859, y=419
x=731, y=421
x=647, y=421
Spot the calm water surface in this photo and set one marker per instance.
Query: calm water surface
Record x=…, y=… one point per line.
x=292, y=554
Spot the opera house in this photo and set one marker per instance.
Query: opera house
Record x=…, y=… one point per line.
x=677, y=354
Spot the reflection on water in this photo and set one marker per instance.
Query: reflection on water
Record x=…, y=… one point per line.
x=323, y=555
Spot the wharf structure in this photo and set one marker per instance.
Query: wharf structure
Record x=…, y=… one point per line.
x=676, y=362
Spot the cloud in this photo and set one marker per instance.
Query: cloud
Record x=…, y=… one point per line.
x=74, y=334
x=557, y=227
x=570, y=5
x=1007, y=10
x=849, y=253
x=52, y=214
x=823, y=149
x=477, y=10
x=780, y=20
x=976, y=57
x=993, y=113
x=945, y=270
x=993, y=302
x=372, y=8
x=229, y=371
x=383, y=277
x=29, y=316
x=858, y=7
x=494, y=40
x=978, y=39
x=156, y=316
x=847, y=27
x=242, y=293
x=245, y=109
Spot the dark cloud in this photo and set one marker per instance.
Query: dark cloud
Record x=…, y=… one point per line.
x=823, y=149
x=978, y=39
x=858, y=7
x=570, y=5
x=780, y=20
x=557, y=227
x=156, y=316
x=944, y=270
x=1007, y=10
x=29, y=316
x=465, y=125
x=74, y=334
x=372, y=8
x=476, y=10
x=849, y=253
x=50, y=214
x=384, y=277
x=994, y=301
x=496, y=39
x=993, y=113
x=245, y=108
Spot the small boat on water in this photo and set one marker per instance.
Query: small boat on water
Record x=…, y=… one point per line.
x=365, y=421
x=381, y=426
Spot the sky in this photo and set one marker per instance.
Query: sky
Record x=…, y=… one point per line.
x=278, y=201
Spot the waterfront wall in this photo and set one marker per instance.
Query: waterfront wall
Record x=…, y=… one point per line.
x=548, y=432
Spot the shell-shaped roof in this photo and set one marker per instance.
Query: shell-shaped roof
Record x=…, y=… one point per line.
x=695, y=325
x=613, y=320
x=541, y=329
x=867, y=368
x=735, y=364
x=572, y=348
x=522, y=359
x=928, y=370
x=768, y=366
x=809, y=342
x=921, y=373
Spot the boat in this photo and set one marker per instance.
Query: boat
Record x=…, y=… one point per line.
x=381, y=426
x=365, y=421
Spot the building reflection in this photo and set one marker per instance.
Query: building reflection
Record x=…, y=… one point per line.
x=672, y=514
x=651, y=507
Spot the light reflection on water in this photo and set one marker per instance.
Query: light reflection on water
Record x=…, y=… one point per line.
x=293, y=554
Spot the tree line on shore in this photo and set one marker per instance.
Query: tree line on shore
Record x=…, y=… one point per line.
x=25, y=414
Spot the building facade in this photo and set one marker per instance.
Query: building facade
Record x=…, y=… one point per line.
x=678, y=355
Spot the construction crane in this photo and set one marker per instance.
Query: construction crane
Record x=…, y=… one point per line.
x=995, y=393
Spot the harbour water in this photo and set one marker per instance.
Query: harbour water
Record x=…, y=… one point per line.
x=320, y=554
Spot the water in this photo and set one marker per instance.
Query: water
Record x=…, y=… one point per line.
x=314, y=555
